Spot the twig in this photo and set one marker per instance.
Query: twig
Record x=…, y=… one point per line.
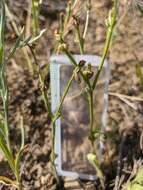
x=133, y=106
x=132, y=98
x=141, y=141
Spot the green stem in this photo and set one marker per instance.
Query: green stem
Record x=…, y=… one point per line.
x=35, y=11
x=54, y=119
x=91, y=114
x=6, y=122
x=18, y=180
x=80, y=40
x=107, y=43
x=44, y=95
x=3, y=82
x=4, y=95
x=66, y=91
x=42, y=84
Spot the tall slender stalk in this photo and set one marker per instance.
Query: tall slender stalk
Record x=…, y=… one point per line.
x=111, y=23
x=54, y=119
x=3, y=82
x=58, y=111
x=90, y=85
x=35, y=13
x=81, y=40
x=13, y=160
x=42, y=84
x=91, y=114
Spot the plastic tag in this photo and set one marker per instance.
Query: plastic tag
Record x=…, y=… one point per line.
x=72, y=128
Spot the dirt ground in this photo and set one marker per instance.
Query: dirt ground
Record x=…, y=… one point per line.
x=125, y=119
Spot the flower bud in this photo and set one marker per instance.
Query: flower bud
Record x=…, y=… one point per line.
x=82, y=63
x=88, y=74
x=62, y=47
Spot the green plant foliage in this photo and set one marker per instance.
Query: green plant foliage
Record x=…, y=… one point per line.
x=136, y=183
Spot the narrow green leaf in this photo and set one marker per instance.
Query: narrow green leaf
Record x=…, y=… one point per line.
x=2, y=26
x=20, y=43
x=22, y=133
x=17, y=162
x=2, y=129
x=16, y=45
x=7, y=180
x=35, y=14
x=21, y=151
x=7, y=153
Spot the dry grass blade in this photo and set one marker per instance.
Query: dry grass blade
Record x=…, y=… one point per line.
x=132, y=98
x=15, y=47
x=7, y=181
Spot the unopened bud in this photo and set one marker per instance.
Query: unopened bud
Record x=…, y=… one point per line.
x=89, y=66
x=88, y=74
x=62, y=47
x=82, y=63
